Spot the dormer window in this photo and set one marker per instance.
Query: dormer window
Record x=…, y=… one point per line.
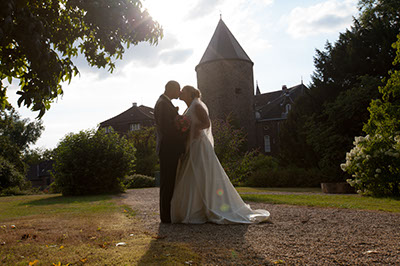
x=134, y=127
x=109, y=129
x=288, y=107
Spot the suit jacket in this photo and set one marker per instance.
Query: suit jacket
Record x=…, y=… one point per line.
x=169, y=138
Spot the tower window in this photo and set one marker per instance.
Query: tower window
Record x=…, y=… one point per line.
x=238, y=90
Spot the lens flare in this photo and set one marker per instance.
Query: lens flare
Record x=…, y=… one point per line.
x=224, y=207
x=220, y=192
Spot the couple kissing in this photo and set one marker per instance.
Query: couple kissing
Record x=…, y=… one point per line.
x=194, y=187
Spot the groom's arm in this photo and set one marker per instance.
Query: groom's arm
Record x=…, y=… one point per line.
x=166, y=120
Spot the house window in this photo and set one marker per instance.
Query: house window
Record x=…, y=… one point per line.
x=267, y=144
x=288, y=107
x=109, y=129
x=134, y=127
x=238, y=90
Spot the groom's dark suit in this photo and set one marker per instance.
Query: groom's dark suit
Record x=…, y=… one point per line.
x=170, y=146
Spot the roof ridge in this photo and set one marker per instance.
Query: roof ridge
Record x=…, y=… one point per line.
x=140, y=109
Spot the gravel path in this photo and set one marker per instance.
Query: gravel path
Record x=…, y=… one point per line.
x=297, y=235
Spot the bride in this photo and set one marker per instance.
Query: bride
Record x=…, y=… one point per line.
x=203, y=191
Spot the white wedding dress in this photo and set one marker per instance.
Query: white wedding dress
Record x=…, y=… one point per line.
x=203, y=191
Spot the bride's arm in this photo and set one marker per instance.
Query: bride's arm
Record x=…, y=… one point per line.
x=204, y=121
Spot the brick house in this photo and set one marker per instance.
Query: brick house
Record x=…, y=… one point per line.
x=39, y=174
x=271, y=110
x=132, y=119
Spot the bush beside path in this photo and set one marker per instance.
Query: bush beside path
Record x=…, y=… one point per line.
x=296, y=235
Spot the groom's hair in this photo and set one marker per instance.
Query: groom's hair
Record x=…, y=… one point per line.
x=172, y=84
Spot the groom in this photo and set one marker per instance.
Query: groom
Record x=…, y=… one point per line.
x=170, y=146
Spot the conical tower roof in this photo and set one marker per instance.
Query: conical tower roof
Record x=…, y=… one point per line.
x=223, y=45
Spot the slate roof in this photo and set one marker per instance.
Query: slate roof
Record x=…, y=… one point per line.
x=223, y=45
x=134, y=114
x=272, y=105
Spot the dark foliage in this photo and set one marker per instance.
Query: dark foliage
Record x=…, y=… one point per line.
x=92, y=162
x=144, y=141
x=15, y=136
x=39, y=39
x=139, y=181
x=323, y=123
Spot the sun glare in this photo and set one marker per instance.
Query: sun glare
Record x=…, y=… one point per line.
x=167, y=14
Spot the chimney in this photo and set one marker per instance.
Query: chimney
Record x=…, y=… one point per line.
x=284, y=88
x=134, y=104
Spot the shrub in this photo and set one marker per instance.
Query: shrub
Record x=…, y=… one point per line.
x=11, y=191
x=9, y=175
x=374, y=163
x=139, y=181
x=291, y=176
x=144, y=141
x=53, y=188
x=242, y=168
x=228, y=141
x=253, y=168
x=92, y=162
x=229, y=144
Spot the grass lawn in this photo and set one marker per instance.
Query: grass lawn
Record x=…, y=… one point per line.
x=278, y=189
x=353, y=201
x=56, y=230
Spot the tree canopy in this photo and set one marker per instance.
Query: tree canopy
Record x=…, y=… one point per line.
x=374, y=161
x=347, y=75
x=38, y=39
x=15, y=136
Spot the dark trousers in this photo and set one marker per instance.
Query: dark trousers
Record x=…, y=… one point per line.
x=168, y=167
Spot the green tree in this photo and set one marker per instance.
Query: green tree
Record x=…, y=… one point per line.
x=39, y=39
x=230, y=148
x=324, y=122
x=91, y=162
x=37, y=155
x=146, y=157
x=16, y=135
x=374, y=161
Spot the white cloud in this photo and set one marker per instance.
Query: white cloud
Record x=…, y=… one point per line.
x=167, y=51
x=203, y=8
x=325, y=17
x=175, y=56
x=267, y=2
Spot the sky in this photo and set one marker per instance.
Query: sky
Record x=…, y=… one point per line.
x=280, y=37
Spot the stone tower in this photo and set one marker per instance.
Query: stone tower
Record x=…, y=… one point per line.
x=225, y=79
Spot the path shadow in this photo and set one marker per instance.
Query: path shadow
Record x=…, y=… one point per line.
x=216, y=244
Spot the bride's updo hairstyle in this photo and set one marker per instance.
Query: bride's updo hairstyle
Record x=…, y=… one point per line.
x=194, y=93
